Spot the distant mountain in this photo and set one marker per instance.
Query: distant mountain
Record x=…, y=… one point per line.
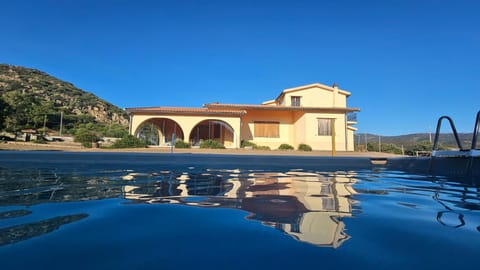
x=446, y=139
x=29, y=97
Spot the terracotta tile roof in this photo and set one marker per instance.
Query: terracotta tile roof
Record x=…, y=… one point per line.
x=185, y=110
x=277, y=108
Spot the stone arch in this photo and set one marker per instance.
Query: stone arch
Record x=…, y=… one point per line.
x=159, y=131
x=212, y=129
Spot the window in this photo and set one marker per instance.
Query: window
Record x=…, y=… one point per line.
x=267, y=129
x=324, y=126
x=296, y=101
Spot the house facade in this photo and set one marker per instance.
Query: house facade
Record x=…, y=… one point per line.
x=313, y=114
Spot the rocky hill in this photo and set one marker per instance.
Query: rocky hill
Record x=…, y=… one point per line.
x=29, y=97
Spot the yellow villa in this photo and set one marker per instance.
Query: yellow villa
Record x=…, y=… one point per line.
x=313, y=114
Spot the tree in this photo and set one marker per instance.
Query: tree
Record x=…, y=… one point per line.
x=115, y=130
x=4, y=112
x=86, y=137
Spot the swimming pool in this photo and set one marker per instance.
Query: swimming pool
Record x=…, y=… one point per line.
x=134, y=211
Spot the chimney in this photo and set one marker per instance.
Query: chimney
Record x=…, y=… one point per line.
x=335, y=93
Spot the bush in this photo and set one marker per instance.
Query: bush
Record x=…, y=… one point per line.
x=385, y=148
x=304, y=147
x=423, y=146
x=285, y=146
x=211, y=144
x=247, y=144
x=391, y=148
x=254, y=145
x=181, y=144
x=115, y=130
x=40, y=141
x=129, y=141
x=85, y=137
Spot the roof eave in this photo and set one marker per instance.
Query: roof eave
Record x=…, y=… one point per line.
x=167, y=112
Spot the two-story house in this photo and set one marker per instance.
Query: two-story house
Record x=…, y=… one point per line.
x=313, y=114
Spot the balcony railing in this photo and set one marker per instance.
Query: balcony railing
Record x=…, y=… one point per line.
x=352, y=117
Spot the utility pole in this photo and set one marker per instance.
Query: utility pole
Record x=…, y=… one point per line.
x=366, y=147
x=379, y=144
x=44, y=124
x=358, y=142
x=61, y=122
x=334, y=150
x=430, y=134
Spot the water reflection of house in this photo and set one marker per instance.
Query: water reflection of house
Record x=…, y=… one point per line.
x=307, y=206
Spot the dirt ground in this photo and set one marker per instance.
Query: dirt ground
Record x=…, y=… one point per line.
x=75, y=147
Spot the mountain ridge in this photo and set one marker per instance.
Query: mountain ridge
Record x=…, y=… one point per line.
x=31, y=95
x=407, y=140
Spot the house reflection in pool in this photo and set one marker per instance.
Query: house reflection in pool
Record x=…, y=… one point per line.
x=307, y=206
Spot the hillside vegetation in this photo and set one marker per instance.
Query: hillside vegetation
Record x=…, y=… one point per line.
x=29, y=98
x=410, y=142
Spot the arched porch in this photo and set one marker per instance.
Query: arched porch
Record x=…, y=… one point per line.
x=194, y=124
x=159, y=131
x=212, y=129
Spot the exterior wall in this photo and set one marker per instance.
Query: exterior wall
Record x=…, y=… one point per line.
x=228, y=138
x=188, y=122
x=295, y=128
x=323, y=142
x=317, y=97
x=350, y=140
x=299, y=127
x=286, y=128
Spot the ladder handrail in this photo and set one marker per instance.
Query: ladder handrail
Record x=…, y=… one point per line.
x=475, y=131
x=452, y=125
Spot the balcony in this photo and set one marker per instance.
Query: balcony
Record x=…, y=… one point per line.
x=352, y=118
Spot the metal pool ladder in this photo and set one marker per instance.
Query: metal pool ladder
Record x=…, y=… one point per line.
x=461, y=152
x=465, y=153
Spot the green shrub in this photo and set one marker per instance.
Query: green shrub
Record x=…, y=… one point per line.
x=40, y=141
x=85, y=137
x=384, y=147
x=86, y=144
x=253, y=145
x=212, y=144
x=391, y=148
x=285, y=146
x=181, y=144
x=304, y=147
x=247, y=144
x=129, y=141
x=115, y=130
x=423, y=146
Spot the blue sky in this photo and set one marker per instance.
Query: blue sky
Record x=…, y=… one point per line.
x=405, y=62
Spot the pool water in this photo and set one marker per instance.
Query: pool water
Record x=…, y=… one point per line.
x=169, y=211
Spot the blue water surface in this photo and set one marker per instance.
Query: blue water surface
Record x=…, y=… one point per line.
x=178, y=211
